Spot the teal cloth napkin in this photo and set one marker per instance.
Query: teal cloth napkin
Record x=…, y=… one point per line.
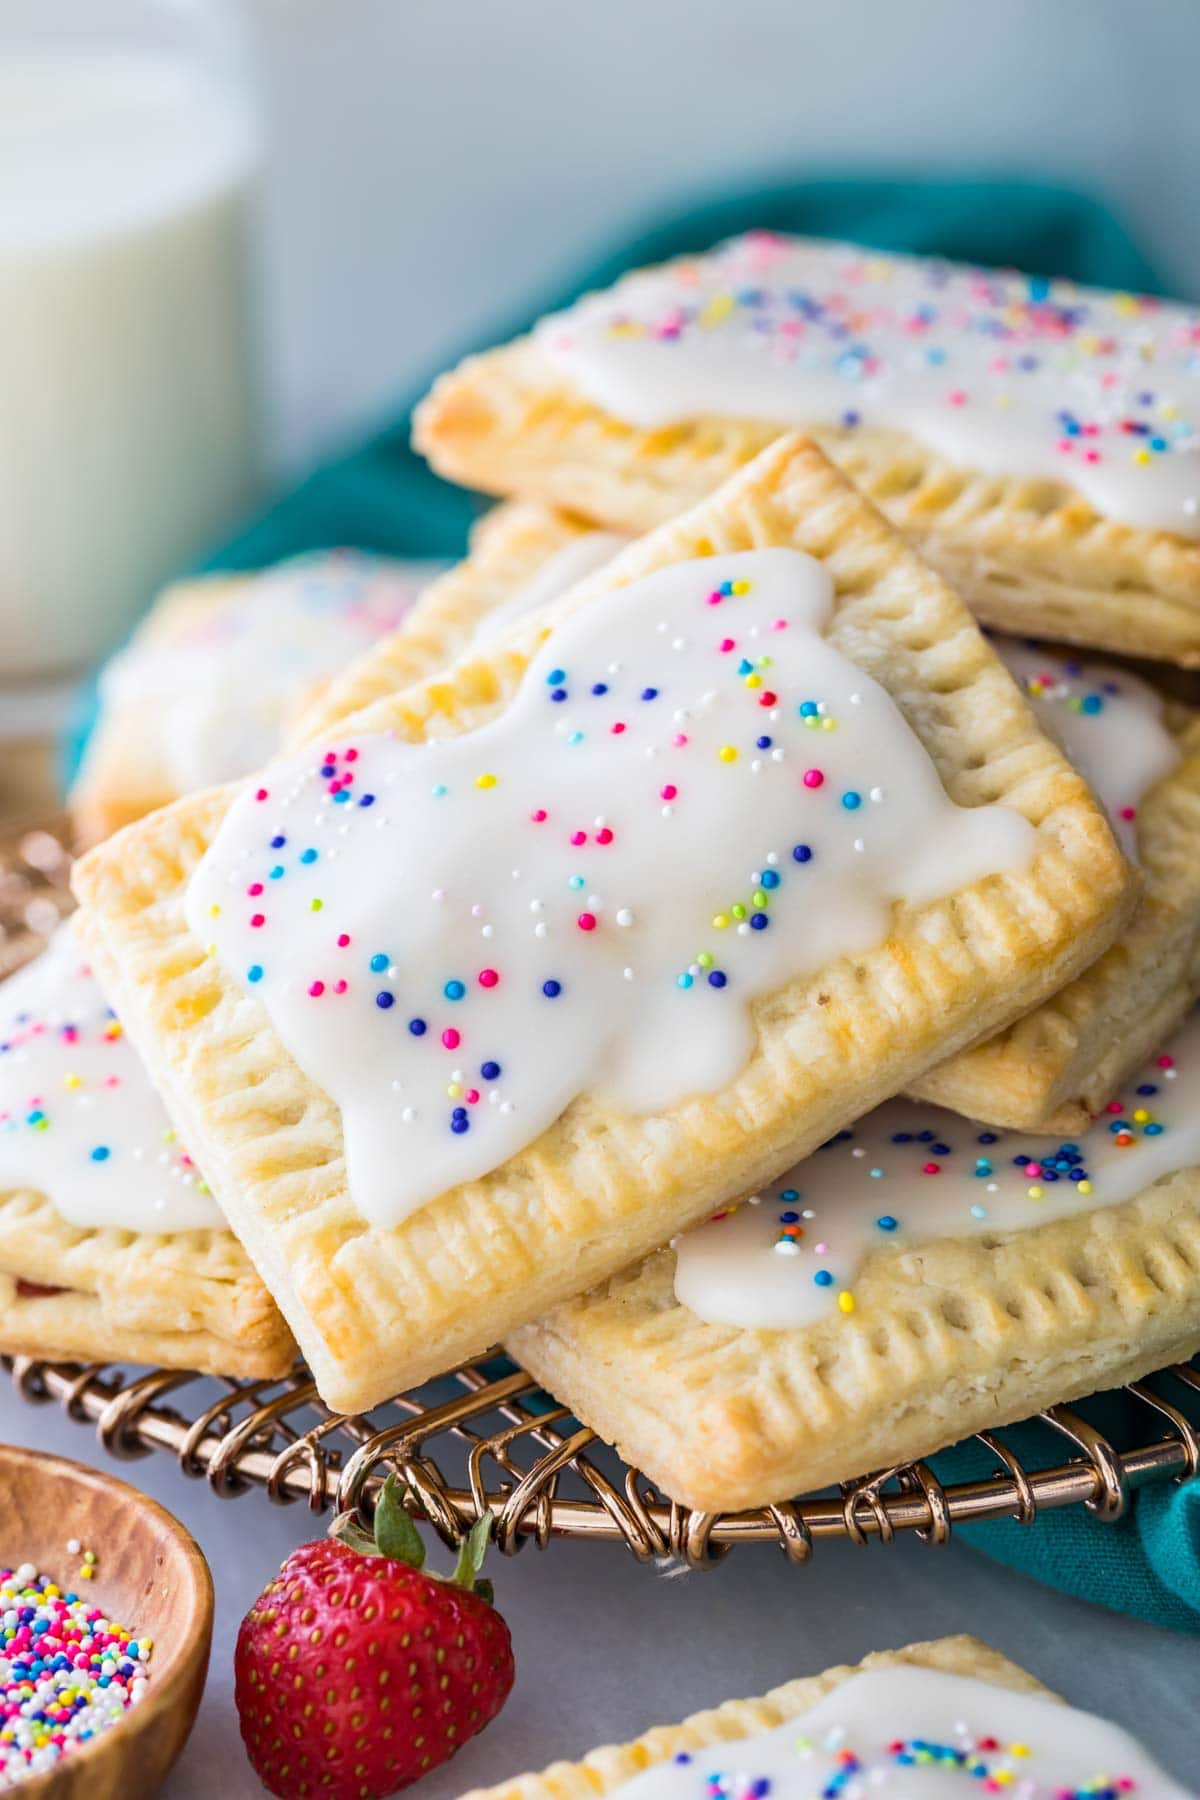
x=382, y=497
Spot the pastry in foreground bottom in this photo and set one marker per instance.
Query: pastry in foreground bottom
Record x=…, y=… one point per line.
x=951, y=1716
x=918, y=1279
x=111, y=1248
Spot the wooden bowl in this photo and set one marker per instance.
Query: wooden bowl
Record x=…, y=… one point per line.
x=150, y=1575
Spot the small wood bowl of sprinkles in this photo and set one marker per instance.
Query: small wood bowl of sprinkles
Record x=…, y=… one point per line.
x=106, y=1611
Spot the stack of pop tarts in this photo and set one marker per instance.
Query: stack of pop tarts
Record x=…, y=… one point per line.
x=556, y=982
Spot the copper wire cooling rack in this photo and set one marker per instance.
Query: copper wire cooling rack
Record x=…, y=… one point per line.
x=485, y=1435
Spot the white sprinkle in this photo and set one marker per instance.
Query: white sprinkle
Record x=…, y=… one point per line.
x=625, y=916
x=409, y=1114
x=787, y=1247
x=668, y=812
x=487, y=931
x=628, y=974
x=876, y=794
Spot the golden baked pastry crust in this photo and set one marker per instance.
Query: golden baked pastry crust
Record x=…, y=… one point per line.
x=375, y=1310
x=122, y=776
x=1054, y=1069
x=953, y=1336
x=508, y=547
x=607, y=1768
x=1028, y=555
x=188, y=1299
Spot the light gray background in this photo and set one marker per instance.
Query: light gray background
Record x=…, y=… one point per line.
x=605, y=1648
x=432, y=165
x=437, y=165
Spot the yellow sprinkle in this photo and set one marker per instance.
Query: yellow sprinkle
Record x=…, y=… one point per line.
x=754, y=681
x=454, y=1090
x=1124, y=303
x=741, y=587
x=114, y=1030
x=485, y=781
x=1019, y=1750
x=720, y=921
x=85, y=1574
x=1141, y=456
x=1083, y=1187
x=214, y=909
x=846, y=1301
x=828, y=724
x=625, y=328
x=718, y=308
x=72, y=1081
x=1141, y=1116
x=727, y=753
x=315, y=905
x=1035, y=1192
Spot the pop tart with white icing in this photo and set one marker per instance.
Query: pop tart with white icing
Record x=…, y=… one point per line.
x=112, y=1249
x=952, y=1717
x=1038, y=440
x=218, y=668
x=542, y=960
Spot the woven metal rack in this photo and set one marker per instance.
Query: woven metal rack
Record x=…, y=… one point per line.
x=485, y=1436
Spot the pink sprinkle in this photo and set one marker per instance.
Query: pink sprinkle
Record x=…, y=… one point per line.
x=1114, y=1106
x=726, y=645
x=714, y=599
x=352, y=756
x=255, y=889
x=451, y=1038
x=112, y=1081
x=956, y=397
x=579, y=837
x=488, y=978
x=316, y=989
x=779, y=625
x=343, y=939
x=669, y=792
x=767, y=698
x=257, y=919
x=820, y=1249
x=618, y=728
x=813, y=778
x=472, y=1096
x=679, y=740
x=261, y=794
x=604, y=835
x=1166, y=1062
x=586, y=921
x=538, y=815
x=1128, y=813
x=339, y=987
x=1032, y=1168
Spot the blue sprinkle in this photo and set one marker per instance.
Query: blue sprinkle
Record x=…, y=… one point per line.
x=379, y=962
x=552, y=989
x=886, y=1222
x=808, y=709
x=759, y=921
x=801, y=853
x=789, y=1193
x=1092, y=703
x=684, y=980
x=384, y=1000
x=418, y=1027
x=558, y=694
x=556, y=677
x=823, y=1278
x=308, y=856
x=366, y=799
x=328, y=771
x=649, y=693
x=490, y=1071
x=851, y=800
x=1154, y=1130
x=277, y=843
x=254, y=972
x=599, y=687
x=716, y=978
x=454, y=990
x=277, y=872
x=101, y=1153
x=341, y=797
x=789, y=1218
x=460, y=1125
x=987, y=1137
x=762, y=743
x=770, y=878
x=1147, y=1088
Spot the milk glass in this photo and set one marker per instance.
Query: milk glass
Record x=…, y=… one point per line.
x=128, y=399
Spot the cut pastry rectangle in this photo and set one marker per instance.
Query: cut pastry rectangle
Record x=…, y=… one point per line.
x=604, y=1770
x=1055, y=1068
x=1040, y=442
x=181, y=1300
x=917, y=1280
x=376, y=1307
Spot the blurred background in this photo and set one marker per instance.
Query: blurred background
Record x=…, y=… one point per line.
x=434, y=166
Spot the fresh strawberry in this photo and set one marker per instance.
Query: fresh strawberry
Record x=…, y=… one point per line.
x=358, y=1671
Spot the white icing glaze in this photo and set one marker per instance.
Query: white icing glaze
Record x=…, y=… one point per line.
x=1108, y=721
x=589, y=552
x=214, y=697
x=677, y=755
x=911, y=1733
x=995, y=370
x=79, y=1119
x=908, y=1173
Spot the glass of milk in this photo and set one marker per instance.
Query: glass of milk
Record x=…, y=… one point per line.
x=128, y=397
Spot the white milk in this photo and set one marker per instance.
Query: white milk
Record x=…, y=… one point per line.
x=127, y=408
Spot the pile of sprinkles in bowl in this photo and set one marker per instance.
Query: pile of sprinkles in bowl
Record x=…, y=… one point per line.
x=67, y=1672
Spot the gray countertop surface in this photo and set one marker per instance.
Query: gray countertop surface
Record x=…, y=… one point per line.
x=605, y=1648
